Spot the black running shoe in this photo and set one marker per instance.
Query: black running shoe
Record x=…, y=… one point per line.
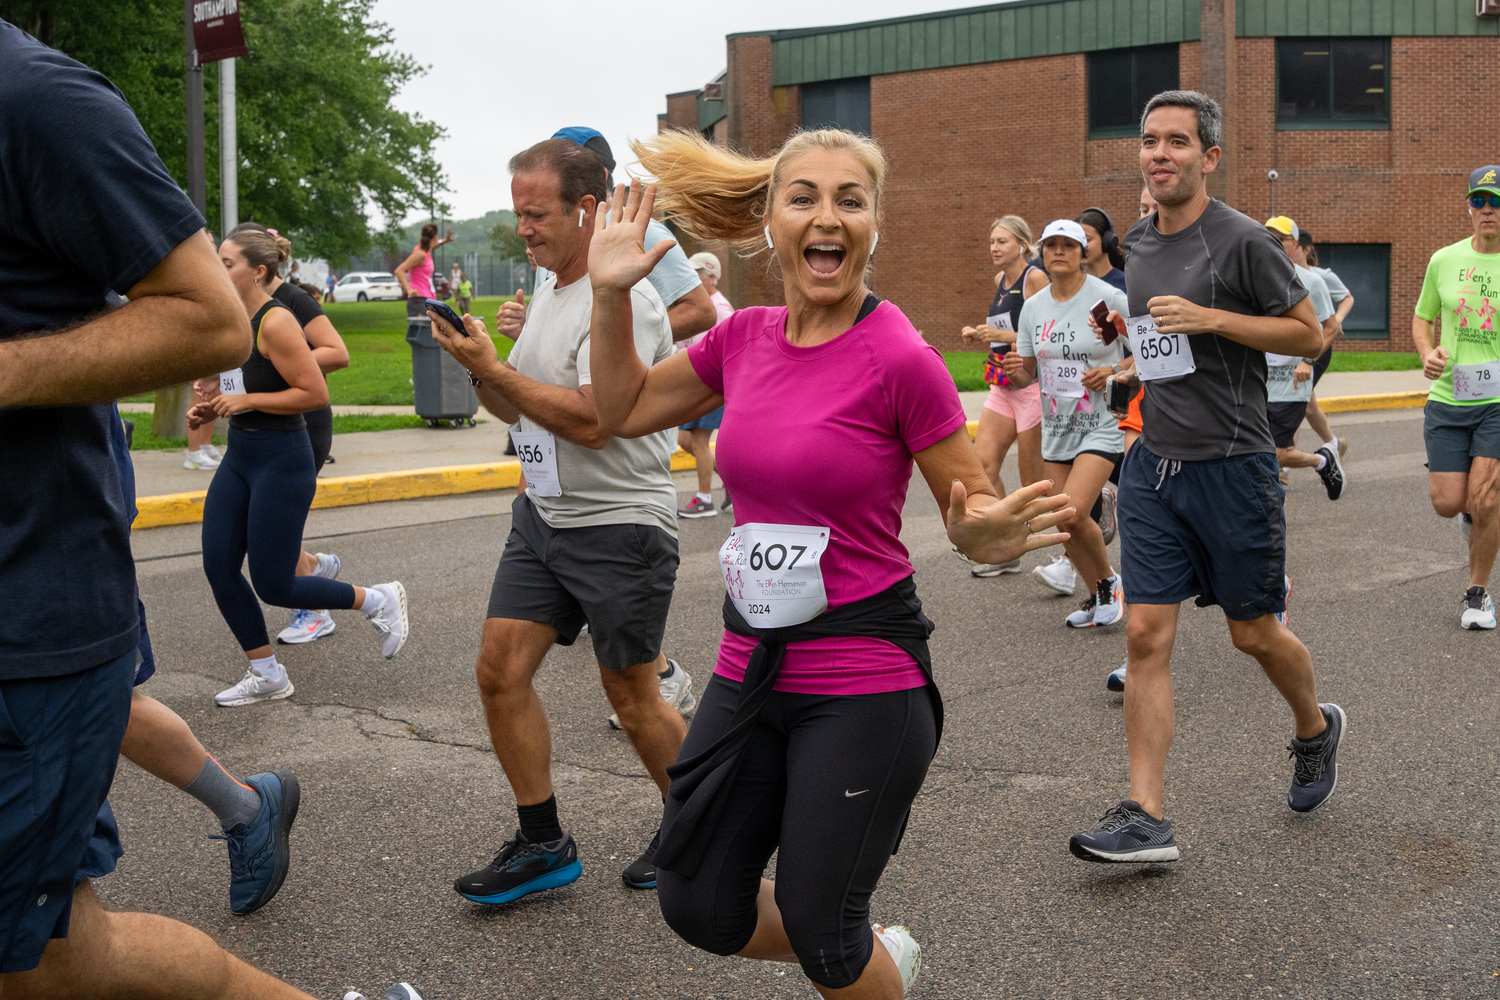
x=522, y=868
x=1332, y=472
x=1126, y=834
x=1316, y=771
x=642, y=874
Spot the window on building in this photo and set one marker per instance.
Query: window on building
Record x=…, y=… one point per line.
x=837, y=104
x=1121, y=81
x=1332, y=83
x=1366, y=269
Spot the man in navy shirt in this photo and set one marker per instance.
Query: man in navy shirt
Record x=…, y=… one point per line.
x=86, y=210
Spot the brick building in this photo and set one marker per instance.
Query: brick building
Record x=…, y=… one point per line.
x=1371, y=113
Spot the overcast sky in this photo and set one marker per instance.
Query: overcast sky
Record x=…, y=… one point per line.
x=501, y=78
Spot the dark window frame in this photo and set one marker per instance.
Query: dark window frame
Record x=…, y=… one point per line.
x=832, y=88
x=1334, y=122
x=1328, y=257
x=1133, y=129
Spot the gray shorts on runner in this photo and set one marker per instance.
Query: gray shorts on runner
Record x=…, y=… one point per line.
x=616, y=577
x=1456, y=435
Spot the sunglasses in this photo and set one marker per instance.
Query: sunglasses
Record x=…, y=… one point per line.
x=1479, y=200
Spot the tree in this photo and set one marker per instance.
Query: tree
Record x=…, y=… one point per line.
x=318, y=137
x=506, y=242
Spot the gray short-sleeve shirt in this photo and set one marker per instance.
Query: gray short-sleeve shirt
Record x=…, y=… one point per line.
x=1228, y=261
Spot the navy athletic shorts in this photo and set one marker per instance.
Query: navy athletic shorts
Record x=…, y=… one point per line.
x=1213, y=530
x=59, y=742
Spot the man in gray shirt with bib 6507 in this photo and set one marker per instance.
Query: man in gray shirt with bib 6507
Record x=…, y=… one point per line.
x=1200, y=505
x=594, y=537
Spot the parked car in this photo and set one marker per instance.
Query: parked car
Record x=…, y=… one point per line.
x=442, y=286
x=368, y=286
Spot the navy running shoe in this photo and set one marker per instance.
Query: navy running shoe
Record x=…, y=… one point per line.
x=1315, y=772
x=642, y=874
x=1126, y=834
x=259, y=854
x=522, y=868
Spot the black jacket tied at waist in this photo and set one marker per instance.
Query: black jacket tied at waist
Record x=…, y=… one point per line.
x=701, y=782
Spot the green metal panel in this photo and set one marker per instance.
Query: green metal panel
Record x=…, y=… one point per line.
x=1361, y=17
x=709, y=113
x=1088, y=13
x=1007, y=34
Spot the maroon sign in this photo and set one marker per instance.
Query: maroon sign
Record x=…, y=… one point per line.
x=216, y=30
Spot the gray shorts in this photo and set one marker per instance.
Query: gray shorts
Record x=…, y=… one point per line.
x=616, y=577
x=1456, y=435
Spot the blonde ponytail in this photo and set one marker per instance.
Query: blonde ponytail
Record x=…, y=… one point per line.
x=714, y=193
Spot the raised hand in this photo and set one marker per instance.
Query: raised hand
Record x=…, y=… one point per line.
x=1435, y=362
x=617, y=256
x=512, y=317
x=996, y=531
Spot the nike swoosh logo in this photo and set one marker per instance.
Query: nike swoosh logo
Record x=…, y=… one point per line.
x=849, y=795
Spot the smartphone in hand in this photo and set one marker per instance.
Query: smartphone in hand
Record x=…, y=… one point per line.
x=1121, y=392
x=444, y=310
x=1109, y=331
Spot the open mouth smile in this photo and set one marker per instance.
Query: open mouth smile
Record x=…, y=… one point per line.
x=824, y=259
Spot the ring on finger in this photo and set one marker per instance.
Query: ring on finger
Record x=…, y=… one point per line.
x=1028, y=526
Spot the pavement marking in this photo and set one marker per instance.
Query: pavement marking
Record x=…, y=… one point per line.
x=345, y=491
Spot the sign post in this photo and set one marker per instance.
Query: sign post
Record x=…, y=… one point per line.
x=229, y=158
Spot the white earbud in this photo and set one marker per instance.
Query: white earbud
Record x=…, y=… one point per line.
x=580, y=218
x=769, y=244
x=874, y=240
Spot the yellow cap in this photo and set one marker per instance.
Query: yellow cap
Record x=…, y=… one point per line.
x=1283, y=225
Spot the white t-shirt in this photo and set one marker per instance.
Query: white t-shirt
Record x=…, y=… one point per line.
x=1336, y=287
x=629, y=480
x=1057, y=334
x=1317, y=290
x=672, y=277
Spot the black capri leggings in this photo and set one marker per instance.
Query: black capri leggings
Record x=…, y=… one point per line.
x=320, y=435
x=826, y=779
x=258, y=502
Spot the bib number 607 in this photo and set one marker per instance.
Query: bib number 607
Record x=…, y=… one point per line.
x=775, y=556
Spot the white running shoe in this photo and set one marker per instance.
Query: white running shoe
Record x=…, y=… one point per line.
x=1058, y=576
x=1084, y=616
x=253, y=687
x=213, y=450
x=676, y=690
x=1109, y=604
x=401, y=991
x=328, y=565
x=1479, y=609
x=1116, y=681
x=390, y=619
x=201, y=460
x=965, y=558
x=984, y=571
x=905, y=952
x=1109, y=504
x=305, y=627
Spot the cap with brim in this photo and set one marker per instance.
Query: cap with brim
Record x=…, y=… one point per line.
x=1065, y=227
x=1283, y=225
x=706, y=262
x=1486, y=179
x=591, y=140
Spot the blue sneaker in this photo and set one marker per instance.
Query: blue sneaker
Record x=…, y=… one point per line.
x=1315, y=771
x=522, y=868
x=1116, y=681
x=259, y=855
x=1128, y=834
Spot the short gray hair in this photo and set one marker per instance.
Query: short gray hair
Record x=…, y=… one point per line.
x=1210, y=115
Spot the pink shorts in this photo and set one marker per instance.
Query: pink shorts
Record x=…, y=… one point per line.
x=1024, y=406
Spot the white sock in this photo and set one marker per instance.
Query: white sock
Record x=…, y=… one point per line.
x=268, y=668
x=373, y=601
x=706, y=497
x=1332, y=442
x=1322, y=461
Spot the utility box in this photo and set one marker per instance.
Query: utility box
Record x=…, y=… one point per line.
x=1487, y=8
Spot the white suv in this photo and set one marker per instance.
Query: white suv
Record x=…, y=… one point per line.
x=368, y=286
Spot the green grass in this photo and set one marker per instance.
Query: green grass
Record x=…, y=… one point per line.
x=353, y=423
x=967, y=369
x=1373, y=361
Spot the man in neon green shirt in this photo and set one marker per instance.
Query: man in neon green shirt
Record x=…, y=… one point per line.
x=1461, y=425
x=464, y=291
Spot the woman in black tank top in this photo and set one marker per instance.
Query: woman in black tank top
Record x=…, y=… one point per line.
x=258, y=501
x=1011, y=414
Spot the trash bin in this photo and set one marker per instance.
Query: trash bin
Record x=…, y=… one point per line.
x=440, y=384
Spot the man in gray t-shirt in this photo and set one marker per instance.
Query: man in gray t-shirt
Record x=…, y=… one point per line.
x=1200, y=508
x=592, y=540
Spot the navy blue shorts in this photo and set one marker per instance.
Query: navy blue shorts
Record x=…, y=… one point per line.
x=146, y=665
x=59, y=741
x=709, y=421
x=1212, y=530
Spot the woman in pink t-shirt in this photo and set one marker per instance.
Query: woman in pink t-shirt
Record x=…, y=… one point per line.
x=815, y=732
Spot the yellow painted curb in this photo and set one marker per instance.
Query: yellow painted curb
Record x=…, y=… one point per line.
x=1375, y=401
x=346, y=491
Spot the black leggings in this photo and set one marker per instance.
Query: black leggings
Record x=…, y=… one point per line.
x=258, y=502
x=826, y=779
x=320, y=434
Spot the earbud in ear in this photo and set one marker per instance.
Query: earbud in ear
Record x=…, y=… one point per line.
x=580, y=218
x=768, y=239
x=874, y=239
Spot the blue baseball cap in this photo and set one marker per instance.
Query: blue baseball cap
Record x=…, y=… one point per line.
x=591, y=140
x=1486, y=179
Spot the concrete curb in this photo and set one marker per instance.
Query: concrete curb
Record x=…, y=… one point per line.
x=410, y=484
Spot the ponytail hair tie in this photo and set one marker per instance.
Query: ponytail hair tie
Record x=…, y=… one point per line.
x=273, y=232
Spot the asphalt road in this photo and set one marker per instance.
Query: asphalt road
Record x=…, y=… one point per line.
x=1389, y=891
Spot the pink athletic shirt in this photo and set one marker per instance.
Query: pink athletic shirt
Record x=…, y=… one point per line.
x=420, y=277
x=824, y=436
